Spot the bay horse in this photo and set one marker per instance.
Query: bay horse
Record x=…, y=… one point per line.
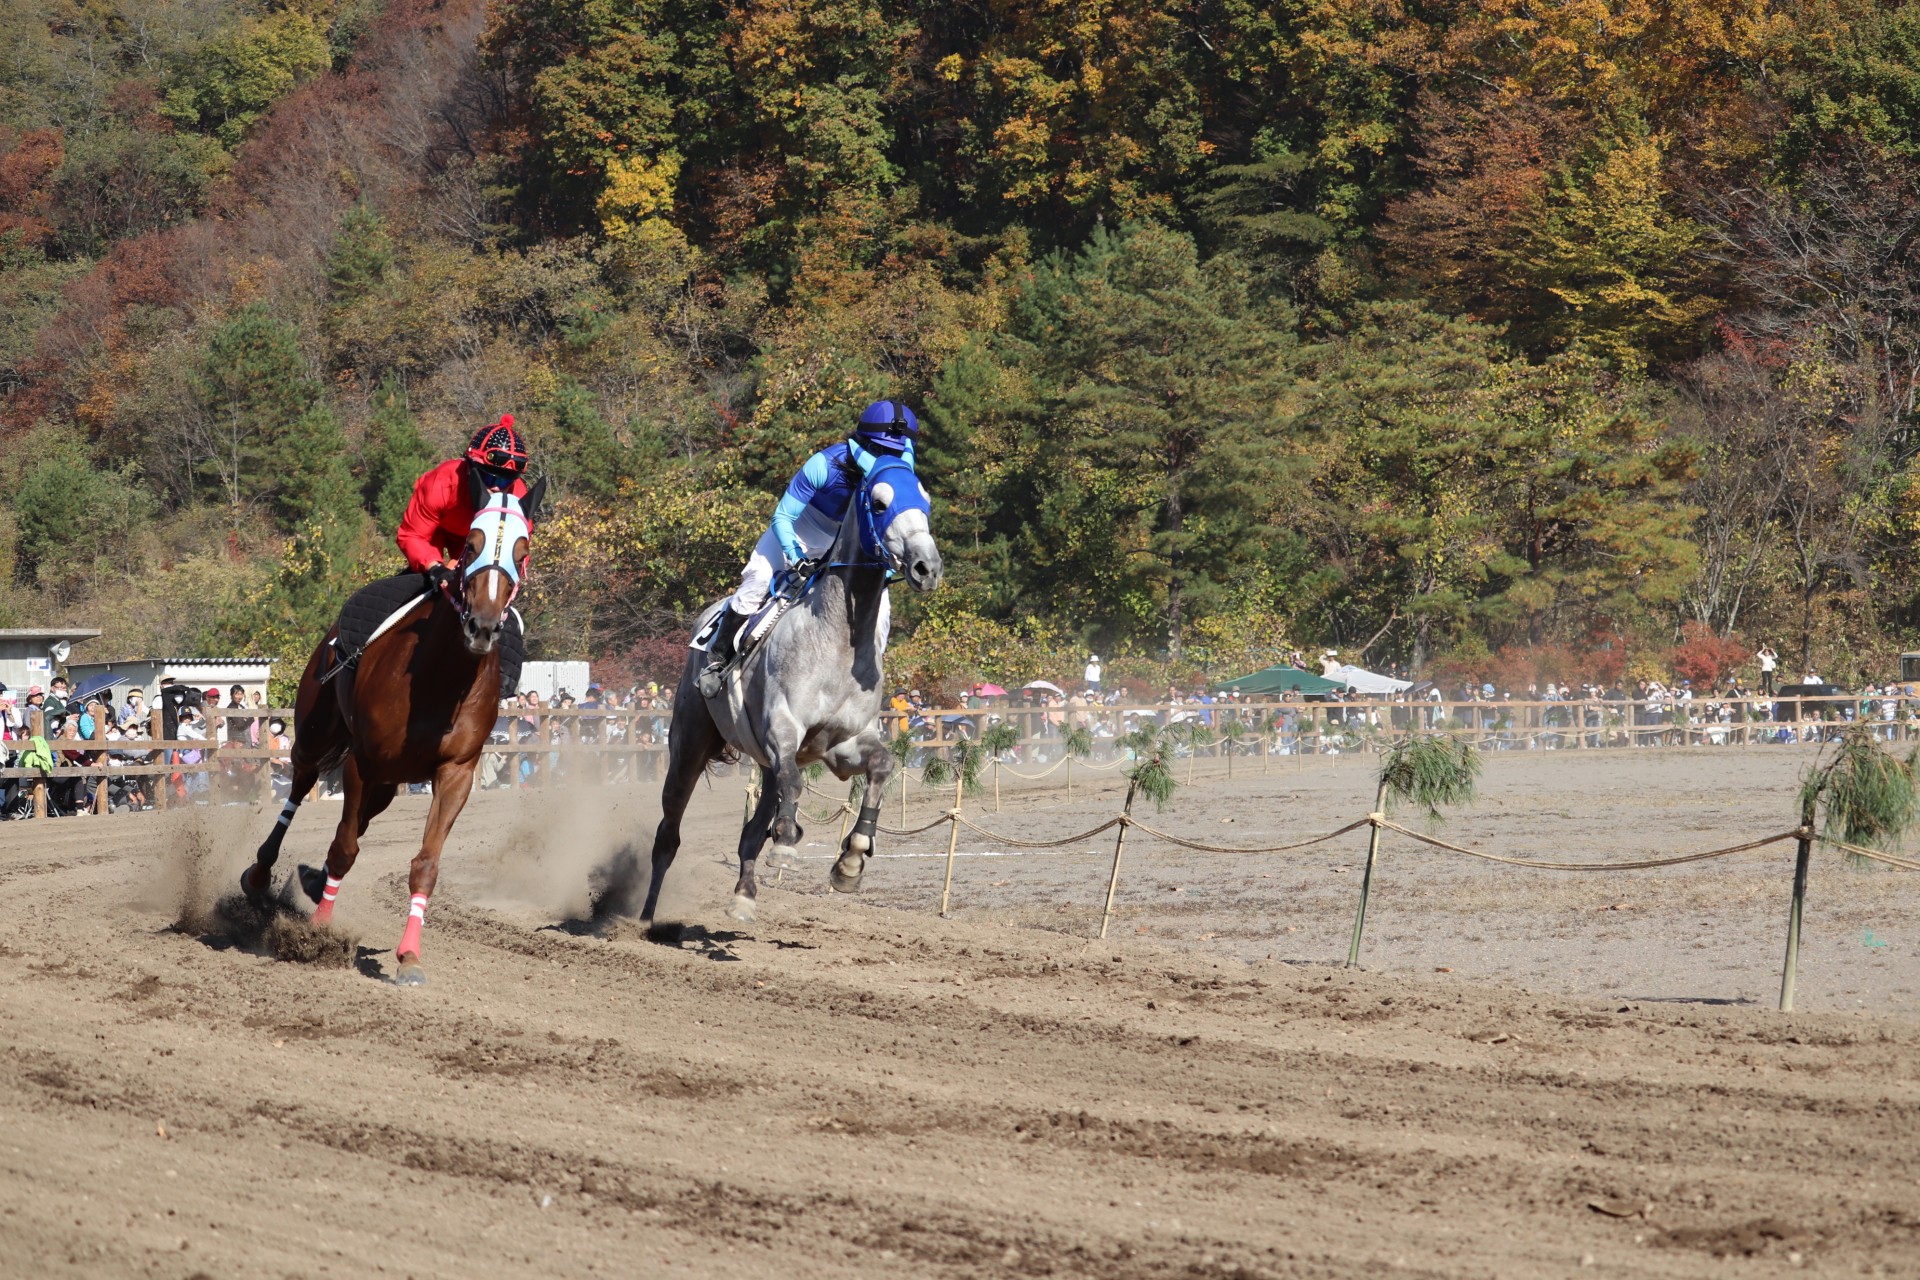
x=417, y=705
x=810, y=691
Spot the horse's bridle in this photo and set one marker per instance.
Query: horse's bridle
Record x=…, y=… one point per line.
x=496, y=553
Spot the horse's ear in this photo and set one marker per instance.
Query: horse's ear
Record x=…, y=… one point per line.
x=536, y=493
x=476, y=487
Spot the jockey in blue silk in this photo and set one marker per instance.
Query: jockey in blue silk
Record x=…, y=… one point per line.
x=807, y=520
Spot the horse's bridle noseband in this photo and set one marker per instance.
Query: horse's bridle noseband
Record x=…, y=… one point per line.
x=497, y=554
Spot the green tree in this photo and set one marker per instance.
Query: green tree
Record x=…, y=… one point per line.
x=575, y=445
x=393, y=458
x=1164, y=376
x=255, y=437
x=361, y=254
x=1398, y=422
x=313, y=472
x=229, y=81
x=70, y=512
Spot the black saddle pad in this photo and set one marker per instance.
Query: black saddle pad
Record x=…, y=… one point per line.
x=374, y=603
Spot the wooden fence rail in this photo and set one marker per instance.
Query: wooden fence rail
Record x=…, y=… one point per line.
x=629, y=742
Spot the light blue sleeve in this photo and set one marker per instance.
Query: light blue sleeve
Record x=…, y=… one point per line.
x=793, y=503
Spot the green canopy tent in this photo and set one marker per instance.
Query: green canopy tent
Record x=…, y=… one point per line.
x=1278, y=680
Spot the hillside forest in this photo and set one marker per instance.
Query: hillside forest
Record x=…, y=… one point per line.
x=1496, y=339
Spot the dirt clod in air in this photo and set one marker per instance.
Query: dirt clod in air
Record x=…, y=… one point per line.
x=278, y=927
x=617, y=887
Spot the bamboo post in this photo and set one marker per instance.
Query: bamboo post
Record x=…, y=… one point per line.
x=263, y=739
x=37, y=724
x=1366, y=876
x=1803, y=854
x=1119, y=845
x=846, y=810
x=903, y=797
x=100, y=804
x=953, y=839
x=996, y=783
x=157, y=727
x=1069, y=770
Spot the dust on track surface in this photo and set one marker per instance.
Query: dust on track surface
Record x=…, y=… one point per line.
x=851, y=1089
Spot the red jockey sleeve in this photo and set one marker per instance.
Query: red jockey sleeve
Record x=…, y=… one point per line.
x=424, y=530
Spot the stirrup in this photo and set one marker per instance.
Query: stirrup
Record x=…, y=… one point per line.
x=712, y=679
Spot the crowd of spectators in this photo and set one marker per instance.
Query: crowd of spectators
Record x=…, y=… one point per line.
x=639, y=720
x=628, y=727
x=98, y=733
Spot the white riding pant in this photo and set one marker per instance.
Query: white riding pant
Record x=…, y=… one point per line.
x=768, y=558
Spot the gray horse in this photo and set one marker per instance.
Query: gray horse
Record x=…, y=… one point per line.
x=811, y=691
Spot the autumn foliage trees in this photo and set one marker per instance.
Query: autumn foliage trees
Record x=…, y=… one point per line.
x=1490, y=337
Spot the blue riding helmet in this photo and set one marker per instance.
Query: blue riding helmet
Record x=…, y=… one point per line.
x=888, y=426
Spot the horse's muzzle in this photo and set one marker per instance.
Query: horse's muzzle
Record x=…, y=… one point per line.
x=923, y=571
x=480, y=636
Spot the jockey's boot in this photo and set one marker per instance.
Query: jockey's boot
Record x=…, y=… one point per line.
x=720, y=654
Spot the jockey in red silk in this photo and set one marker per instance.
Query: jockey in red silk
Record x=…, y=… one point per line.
x=433, y=533
x=807, y=521
x=434, y=530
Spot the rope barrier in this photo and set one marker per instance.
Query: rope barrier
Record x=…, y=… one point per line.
x=1641, y=864
x=1221, y=848
x=913, y=831
x=1891, y=860
x=995, y=836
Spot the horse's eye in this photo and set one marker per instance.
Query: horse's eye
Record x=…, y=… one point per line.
x=882, y=496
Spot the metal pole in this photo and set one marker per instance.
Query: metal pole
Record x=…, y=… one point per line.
x=1119, y=844
x=1802, y=856
x=1366, y=877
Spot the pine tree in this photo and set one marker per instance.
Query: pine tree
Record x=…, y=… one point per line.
x=393, y=457
x=361, y=255
x=1166, y=375
x=577, y=445
x=252, y=386
x=315, y=479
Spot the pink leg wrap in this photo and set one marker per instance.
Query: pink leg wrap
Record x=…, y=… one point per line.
x=410, y=939
x=323, y=913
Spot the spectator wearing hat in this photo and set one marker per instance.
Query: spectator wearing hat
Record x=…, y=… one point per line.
x=1093, y=672
x=134, y=709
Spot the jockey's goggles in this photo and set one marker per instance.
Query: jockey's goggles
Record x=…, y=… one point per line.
x=499, y=480
x=884, y=442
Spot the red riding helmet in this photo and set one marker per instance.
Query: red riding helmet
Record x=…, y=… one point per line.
x=498, y=447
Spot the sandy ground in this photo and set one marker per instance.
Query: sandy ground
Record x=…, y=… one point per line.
x=1536, y=1074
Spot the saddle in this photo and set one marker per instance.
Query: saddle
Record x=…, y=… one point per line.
x=753, y=632
x=370, y=613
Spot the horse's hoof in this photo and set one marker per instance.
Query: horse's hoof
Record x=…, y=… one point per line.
x=742, y=908
x=783, y=855
x=254, y=884
x=844, y=883
x=313, y=881
x=410, y=975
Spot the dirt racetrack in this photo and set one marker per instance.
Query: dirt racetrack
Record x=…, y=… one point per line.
x=1536, y=1076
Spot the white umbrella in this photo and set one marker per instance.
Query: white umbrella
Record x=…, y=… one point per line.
x=1048, y=685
